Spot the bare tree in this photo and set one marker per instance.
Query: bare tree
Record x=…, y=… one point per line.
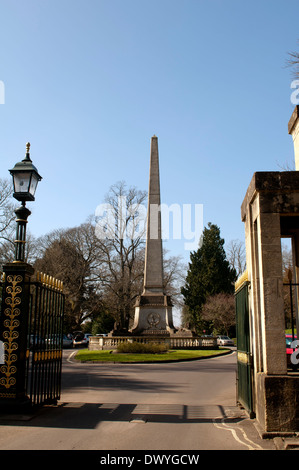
x=71, y=256
x=119, y=226
x=174, y=270
x=293, y=62
x=220, y=310
x=287, y=258
x=7, y=218
x=236, y=255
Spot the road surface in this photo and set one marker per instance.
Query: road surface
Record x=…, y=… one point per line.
x=175, y=406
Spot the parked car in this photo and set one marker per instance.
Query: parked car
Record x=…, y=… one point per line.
x=54, y=341
x=289, y=350
x=224, y=341
x=36, y=342
x=67, y=341
x=81, y=339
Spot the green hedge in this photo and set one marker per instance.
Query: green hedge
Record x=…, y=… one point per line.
x=142, y=348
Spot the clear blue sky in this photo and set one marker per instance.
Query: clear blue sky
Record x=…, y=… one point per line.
x=89, y=82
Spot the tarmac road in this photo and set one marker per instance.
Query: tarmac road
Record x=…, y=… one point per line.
x=186, y=406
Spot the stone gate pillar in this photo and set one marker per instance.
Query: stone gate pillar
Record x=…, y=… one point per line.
x=270, y=212
x=264, y=264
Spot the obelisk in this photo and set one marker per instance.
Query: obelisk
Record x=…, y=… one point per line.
x=153, y=310
x=153, y=266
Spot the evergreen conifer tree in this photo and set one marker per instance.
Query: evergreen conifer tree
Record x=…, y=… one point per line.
x=209, y=273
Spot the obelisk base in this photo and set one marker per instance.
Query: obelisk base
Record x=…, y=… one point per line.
x=153, y=316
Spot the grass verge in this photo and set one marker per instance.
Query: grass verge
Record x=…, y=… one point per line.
x=84, y=355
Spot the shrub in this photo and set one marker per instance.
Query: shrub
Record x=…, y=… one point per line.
x=142, y=348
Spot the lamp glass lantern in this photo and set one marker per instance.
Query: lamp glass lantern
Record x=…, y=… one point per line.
x=25, y=178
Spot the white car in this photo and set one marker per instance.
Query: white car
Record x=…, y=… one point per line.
x=224, y=341
x=81, y=339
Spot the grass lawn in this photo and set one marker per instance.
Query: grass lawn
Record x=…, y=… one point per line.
x=85, y=355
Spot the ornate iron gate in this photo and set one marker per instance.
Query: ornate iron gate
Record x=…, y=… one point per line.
x=31, y=326
x=244, y=362
x=44, y=349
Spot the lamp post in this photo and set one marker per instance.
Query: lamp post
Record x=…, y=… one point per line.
x=15, y=309
x=25, y=180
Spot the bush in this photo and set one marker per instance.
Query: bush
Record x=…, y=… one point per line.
x=142, y=348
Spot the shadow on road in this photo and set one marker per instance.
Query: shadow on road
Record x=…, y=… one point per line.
x=89, y=415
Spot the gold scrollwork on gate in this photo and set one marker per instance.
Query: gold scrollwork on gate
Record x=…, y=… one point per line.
x=10, y=334
x=44, y=356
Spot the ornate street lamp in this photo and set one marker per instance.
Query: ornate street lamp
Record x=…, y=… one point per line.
x=25, y=180
x=16, y=295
